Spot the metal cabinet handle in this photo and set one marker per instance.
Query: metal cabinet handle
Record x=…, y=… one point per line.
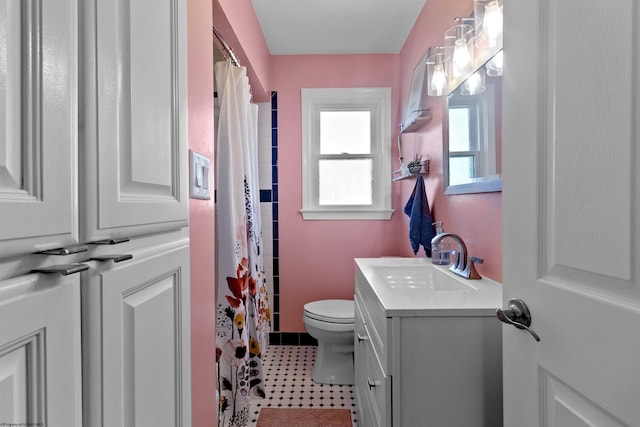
x=362, y=337
x=65, y=251
x=63, y=269
x=111, y=241
x=372, y=383
x=114, y=257
x=518, y=315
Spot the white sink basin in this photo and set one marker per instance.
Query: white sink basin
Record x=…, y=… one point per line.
x=422, y=277
x=414, y=286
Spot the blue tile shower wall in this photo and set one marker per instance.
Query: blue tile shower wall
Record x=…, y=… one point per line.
x=271, y=196
x=274, y=204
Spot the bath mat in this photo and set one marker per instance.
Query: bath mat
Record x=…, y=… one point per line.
x=302, y=417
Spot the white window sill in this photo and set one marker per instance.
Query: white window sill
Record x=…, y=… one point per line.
x=346, y=214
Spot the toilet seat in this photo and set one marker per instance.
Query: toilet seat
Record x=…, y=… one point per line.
x=331, y=311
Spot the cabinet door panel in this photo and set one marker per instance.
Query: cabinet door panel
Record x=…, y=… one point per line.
x=134, y=127
x=137, y=343
x=38, y=125
x=40, y=351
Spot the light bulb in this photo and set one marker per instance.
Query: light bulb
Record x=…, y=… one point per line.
x=492, y=23
x=438, y=81
x=461, y=57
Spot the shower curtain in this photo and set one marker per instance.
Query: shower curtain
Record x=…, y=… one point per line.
x=243, y=318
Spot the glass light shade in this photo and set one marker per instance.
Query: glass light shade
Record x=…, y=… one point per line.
x=488, y=21
x=495, y=65
x=458, y=50
x=436, y=76
x=475, y=84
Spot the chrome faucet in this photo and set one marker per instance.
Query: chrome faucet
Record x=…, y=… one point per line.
x=462, y=266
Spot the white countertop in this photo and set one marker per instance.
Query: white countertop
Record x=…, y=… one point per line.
x=416, y=287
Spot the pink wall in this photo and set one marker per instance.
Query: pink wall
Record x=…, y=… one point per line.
x=201, y=216
x=316, y=257
x=237, y=22
x=475, y=217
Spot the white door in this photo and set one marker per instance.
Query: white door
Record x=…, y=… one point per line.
x=133, y=122
x=136, y=340
x=38, y=125
x=40, y=372
x=571, y=212
x=40, y=359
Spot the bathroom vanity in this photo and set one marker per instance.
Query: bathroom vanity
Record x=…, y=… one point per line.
x=428, y=347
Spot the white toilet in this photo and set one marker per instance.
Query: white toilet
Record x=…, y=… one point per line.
x=331, y=322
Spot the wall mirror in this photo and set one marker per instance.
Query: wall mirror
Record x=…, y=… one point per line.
x=472, y=132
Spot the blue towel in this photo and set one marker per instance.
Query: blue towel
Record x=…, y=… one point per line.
x=421, y=229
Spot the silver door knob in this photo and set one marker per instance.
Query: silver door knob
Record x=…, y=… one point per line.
x=362, y=337
x=518, y=315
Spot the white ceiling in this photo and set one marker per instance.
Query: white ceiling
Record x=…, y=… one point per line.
x=296, y=27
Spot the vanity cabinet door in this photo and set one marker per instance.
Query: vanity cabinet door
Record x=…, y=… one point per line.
x=38, y=125
x=362, y=348
x=40, y=376
x=378, y=324
x=136, y=340
x=372, y=386
x=134, y=154
x=376, y=390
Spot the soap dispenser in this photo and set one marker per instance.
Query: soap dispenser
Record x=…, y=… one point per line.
x=440, y=253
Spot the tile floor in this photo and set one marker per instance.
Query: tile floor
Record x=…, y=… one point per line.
x=288, y=383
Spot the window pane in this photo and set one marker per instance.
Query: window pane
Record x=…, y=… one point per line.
x=345, y=132
x=459, y=119
x=462, y=169
x=346, y=182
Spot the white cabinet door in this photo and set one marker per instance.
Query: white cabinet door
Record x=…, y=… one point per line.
x=40, y=351
x=133, y=123
x=571, y=205
x=38, y=125
x=136, y=339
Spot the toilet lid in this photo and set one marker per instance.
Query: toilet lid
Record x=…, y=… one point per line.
x=330, y=310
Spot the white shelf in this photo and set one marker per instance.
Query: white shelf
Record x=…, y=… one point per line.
x=403, y=172
x=415, y=121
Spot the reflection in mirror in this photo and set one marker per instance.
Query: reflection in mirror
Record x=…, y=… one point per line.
x=472, y=130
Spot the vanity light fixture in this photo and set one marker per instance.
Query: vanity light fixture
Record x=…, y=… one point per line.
x=467, y=45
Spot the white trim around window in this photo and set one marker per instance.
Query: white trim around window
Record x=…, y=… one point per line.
x=378, y=102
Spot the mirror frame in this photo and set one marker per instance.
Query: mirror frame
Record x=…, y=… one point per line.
x=480, y=185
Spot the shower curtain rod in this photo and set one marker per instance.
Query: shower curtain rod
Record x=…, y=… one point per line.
x=226, y=48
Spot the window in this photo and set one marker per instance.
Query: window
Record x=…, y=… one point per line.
x=471, y=138
x=463, y=142
x=346, y=164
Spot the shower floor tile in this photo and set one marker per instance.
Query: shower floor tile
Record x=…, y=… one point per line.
x=288, y=383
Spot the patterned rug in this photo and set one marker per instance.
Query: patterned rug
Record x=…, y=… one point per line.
x=302, y=417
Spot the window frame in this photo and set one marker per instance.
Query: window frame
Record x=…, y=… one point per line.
x=474, y=137
x=481, y=131
x=378, y=102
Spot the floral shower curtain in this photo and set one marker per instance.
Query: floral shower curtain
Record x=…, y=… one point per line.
x=243, y=318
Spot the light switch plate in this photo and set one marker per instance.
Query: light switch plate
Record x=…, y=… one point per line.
x=199, y=176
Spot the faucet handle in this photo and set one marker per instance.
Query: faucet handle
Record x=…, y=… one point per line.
x=470, y=270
